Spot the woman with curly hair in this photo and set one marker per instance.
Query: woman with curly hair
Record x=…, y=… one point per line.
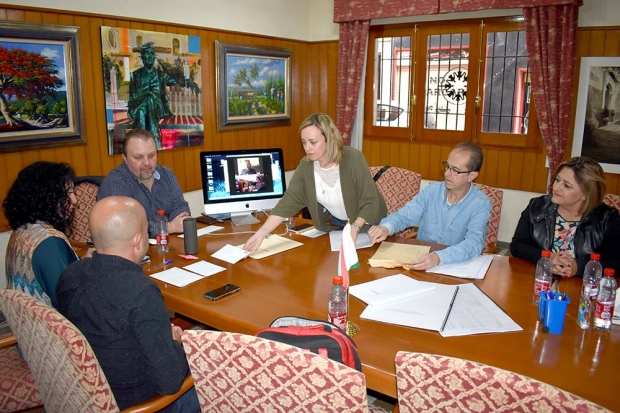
x=39, y=207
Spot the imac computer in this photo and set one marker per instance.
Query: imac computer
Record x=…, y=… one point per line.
x=239, y=182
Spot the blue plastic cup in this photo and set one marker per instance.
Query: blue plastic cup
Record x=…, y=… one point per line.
x=552, y=311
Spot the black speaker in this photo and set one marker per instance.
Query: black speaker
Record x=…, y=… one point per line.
x=190, y=235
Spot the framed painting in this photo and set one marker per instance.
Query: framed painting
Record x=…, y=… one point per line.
x=40, y=91
x=253, y=85
x=152, y=81
x=597, y=120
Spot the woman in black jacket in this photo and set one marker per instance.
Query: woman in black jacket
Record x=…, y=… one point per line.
x=572, y=222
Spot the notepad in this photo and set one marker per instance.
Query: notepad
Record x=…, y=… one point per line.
x=476, y=268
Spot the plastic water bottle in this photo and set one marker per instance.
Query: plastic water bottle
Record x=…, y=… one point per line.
x=589, y=290
x=605, y=301
x=544, y=275
x=161, y=234
x=337, y=304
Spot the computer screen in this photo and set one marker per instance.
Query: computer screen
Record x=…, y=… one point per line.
x=242, y=181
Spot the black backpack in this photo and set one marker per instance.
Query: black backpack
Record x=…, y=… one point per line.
x=320, y=337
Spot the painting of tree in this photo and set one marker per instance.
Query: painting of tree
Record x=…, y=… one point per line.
x=29, y=77
x=39, y=86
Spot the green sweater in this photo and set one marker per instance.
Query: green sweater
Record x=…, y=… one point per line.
x=360, y=193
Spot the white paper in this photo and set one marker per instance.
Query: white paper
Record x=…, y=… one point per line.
x=230, y=253
x=205, y=230
x=177, y=277
x=475, y=268
x=312, y=233
x=474, y=312
x=427, y=310
x=335, y=238
x=391, y=288
x=204, y=268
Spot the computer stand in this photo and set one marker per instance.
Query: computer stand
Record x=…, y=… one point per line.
x=244, y=218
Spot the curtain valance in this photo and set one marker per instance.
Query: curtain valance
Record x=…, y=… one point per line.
x=351, y=10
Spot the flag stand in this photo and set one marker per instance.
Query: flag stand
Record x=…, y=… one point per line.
x=352, y=328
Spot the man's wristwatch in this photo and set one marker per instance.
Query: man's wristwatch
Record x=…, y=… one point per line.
x=357, y=226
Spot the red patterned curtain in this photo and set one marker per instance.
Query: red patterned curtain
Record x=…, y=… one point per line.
x=551, y=34
x=352, y=40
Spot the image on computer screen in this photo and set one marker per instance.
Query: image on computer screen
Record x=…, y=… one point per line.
x=242, y=181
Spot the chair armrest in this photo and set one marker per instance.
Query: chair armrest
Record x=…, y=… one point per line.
x=159, y=402
x=7, y=340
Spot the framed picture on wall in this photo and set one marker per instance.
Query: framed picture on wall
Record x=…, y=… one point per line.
x=40, y=91
x=597, y=120
x=153, y=81
x=253, y=85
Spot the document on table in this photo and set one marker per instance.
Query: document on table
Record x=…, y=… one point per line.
x=177, y=277
x=180, y=277
x=427, y=310
x=274, y=244
x=230, y=253
x=335, y=238
x=312, y=233
x=616, y=318
x=204, y=268
x=392, y=255
x=474, y=312
x=391, y=288
x=475, y=268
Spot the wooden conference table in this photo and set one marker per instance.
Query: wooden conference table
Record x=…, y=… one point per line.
x=297, y=282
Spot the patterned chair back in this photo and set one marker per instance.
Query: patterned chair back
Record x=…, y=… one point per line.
x=398, y=186
x=496, y=196
x=240, y=373
x=62, y=362
x=429, y=382
x=86, y=189
x=612, y=200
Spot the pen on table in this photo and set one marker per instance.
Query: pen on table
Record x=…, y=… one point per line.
x=445, y=320
x=163, y=264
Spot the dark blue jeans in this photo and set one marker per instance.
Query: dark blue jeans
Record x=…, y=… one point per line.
x=188, y=403
x=338, y=222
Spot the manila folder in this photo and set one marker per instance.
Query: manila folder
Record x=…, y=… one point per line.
x=392, y=255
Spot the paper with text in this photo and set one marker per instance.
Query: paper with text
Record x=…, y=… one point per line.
x=312, y=233
x=177, y=277
x=392, y=254
x=274, y=244
x=204, y=268
x=427, y=310
x=335, y=239
x=391, y=288
x=473, y=312
x=230, y=253
x=475, y=268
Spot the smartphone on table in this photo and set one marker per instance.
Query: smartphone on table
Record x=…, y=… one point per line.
x=222, y=291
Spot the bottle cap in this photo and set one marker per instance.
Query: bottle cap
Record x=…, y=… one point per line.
x=595, y=256
x=161, y=212
x=609, y=272
x=338, y=279
x=546, y=253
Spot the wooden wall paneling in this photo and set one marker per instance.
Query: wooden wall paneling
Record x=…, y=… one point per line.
x=528, y=171
x=597, y=43
x=490, y=166
x=503, y=169
x=15, y=15
x=436, y=155
x=394, y=153
x=515, y=168
x=612, y=43
x=323, y=77
x=413, y=159
x=424, y=157
x=403, y=155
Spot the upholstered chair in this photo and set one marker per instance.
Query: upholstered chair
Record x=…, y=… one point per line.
x=17, y=388
x=86, y=189
x=434, y=383
x=496, y=196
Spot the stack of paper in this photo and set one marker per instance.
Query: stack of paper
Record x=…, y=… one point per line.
x=475, y=268
x=392, y=255
x=399, y=299
x=452, y=310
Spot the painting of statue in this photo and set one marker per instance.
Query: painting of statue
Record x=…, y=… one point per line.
x=152, y=81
